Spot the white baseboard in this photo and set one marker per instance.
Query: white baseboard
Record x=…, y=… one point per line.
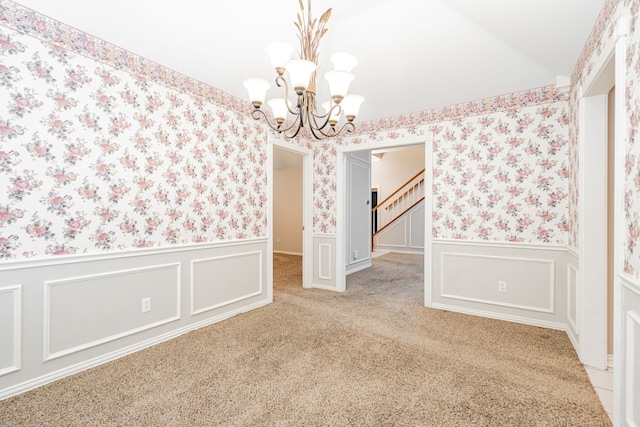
x=506, y=317
x=109, y=357
x=362, y=267
x=288, y=253
x=324, y=287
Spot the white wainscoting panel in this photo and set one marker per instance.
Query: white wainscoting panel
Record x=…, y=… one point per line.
x=627, y=351
x=71, y=313
x=476, y=277
x=10, y=329
x=416, y=221
x=632, y=369
x=223, y=280
x=572, y=298
x=86, y=311
x=467, y=276
x=406, y=234
x=395, y=235
x=324, y=265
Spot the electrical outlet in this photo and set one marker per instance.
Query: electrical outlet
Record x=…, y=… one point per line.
x=277, y=240
x=355, y=254
x=502, y=286
x=146, y=304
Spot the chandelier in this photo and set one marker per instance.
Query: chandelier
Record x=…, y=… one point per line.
x=302, y=75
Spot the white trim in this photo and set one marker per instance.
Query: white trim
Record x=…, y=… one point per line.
x=515, y=245
x=411, y=214
x=231, y=301
x=360, y=268
x=16, y=290
x=427, y=141
x=395, y=225
x=572, y=272
x=47, y=355
x=573, y=252
x=109, y=357
x=288, y=253
x=428, y=222
x=633, y=322
x=499, y=316
x=321, y=268
x=307, y=210
x=128, y=253
x=552, y=283
x=630, y=283
x=324, y=287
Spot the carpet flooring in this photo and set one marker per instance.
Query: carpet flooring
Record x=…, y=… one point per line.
x=371, y=356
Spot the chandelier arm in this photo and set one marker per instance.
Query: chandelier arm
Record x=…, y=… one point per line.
x=349, y=127
x=280, y=82
x=299, y=122
x=277, y=128
x=327, y=115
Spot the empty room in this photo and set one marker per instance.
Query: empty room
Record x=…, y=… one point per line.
x=320, y=213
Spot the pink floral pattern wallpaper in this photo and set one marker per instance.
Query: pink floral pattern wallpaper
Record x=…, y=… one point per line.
x=500, y=167
x=502, y=177
x=603, y=35
x=94, y=158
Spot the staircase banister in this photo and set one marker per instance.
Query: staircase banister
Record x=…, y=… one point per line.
x=375, y=208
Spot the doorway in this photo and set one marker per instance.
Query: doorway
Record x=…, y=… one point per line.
x=341, y=221
x=289, y=214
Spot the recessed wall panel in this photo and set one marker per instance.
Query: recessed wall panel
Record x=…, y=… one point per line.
x=528, y=283
x=81, y=312
x=219, y=281
x=10, y=328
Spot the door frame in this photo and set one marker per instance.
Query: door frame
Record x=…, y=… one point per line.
x=427, y=141
x=592, y=234
x=307, y=209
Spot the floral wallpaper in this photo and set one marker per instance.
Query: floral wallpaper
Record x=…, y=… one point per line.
x=502, y=177
x=500, y=167
x=94, y=158
x=603, y=35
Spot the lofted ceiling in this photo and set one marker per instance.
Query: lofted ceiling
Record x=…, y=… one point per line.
x=413, y=54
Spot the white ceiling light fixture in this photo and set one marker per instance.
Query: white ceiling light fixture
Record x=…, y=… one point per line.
x=302, y=79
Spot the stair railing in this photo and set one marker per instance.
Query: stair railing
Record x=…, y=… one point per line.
x=400, y=201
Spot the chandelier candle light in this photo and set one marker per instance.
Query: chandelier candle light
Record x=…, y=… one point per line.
x=302, y=76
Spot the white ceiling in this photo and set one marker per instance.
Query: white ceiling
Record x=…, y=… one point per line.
x=413, y=54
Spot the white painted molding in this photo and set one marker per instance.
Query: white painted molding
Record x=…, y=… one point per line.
x=360, y=268
x=109, y=357
x=411, y=222
x=288, y=253
x=630, y=282
x=128, y=253
x=515, y=245
x=572, y=273
x=563, y=84
x=324, y=271
x=16, y=365
x=61, y=282
x=402, y=222
x=499, y=316
x=573, y=251
x=552, y=285
x=631, y=398
x=231, y=301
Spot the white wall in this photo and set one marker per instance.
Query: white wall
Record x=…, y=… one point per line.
x=395, y=168
x=287, y=210
x=60, y=317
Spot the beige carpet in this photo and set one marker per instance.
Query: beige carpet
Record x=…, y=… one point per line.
x=372, y=356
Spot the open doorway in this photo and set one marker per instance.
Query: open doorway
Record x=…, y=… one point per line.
x=342, y=235
x=600, y=218
x=289, y=219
